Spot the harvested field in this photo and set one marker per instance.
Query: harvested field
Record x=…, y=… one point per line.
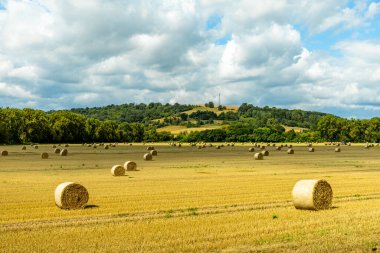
x=189, y=200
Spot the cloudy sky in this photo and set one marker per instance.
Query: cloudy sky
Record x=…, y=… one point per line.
x=307, y=54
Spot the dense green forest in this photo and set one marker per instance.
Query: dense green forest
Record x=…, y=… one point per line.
x=249, y=123
x=133, y=112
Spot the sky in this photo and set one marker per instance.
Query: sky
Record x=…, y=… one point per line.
x=296, y=54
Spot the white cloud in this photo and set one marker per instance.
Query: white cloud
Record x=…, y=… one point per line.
x=62, y=54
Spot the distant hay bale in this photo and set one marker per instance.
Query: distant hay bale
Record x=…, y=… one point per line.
x=278, y=148
x=4, y=153
x=311, y=149
x=290, y=146
x=265, y=152
x=251, y=149
x=262, y=147
x=66, y=145
x=35, y=147
x=54, y=146
x=63, y=152
x=179, y=145
x=259, y=156
x=217, y=147
x=57, y=151
x=94, y=146
x=44, y=155
x=130, y=144
x=70, y=195
x=150, y=148
x=290, y=151
x=309, y=145
x=153, y=152
x=106, y=147
x=312, y=194
x=199, y=147
x=337, y=149
x=232, y=144
x=117, y=170
x=148, y=157
x=23, y=148
x=130, y=166
x=89, y=145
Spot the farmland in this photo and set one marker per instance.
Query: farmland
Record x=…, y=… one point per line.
x=188, y=200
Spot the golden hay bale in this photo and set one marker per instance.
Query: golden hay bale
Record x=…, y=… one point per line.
x=35, y=147
x=4, y=153
x=179, y=145
x=311, y=149
x=44, y=155
x=63, y=152
x=278, y=148
x=262, y=147
x=57, y=151
x=23, y=148
x=130, y=144
x=265, y=152
x=290, y=151
x=259, y=156
x=150, y=148
x=148, y=157
x=337, y=149
x=89, y=145
x=67, y=145
x=290, y=146
x=309, y=145
x=153, y=152
x=70, y=195
x=94, y=146
x=117, y=170
x=251, y=149
x=217, y=147
x=54, y=146
x=312, y=194
x=130, y=166
x=106, y=147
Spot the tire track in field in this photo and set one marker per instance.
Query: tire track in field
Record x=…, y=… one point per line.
x=172, y=213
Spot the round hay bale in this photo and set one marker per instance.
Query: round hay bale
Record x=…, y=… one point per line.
x=312, y=194
x=54, y=146
x=179, y=145
x=130, y=166
x=150, y=148
x=130, y=144
x=259, y=156
x=290, y=151
x=57, y=151
x=44, y=155
x=337, y=149
x=153, y=152
x=89, y=145
x=35, y=147
x=63, y=152
x=106, y=147
x=265, y=152
x=251, y=149
x=217, y=147
x=4, y=153
x=70, y=195
x=290, y=146
x=311, y=149
x=23, y=148
x=117, y=170
x=278, y=148
x=309, y=145
x=94, y=146
x=66, y=145
x=148, y=157
x=262, y=147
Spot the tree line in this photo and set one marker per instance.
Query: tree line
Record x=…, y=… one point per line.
x=36, y=126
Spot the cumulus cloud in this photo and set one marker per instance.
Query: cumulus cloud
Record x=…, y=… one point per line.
x=63, y=54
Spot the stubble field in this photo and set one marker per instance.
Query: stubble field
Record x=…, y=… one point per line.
x=189, y=200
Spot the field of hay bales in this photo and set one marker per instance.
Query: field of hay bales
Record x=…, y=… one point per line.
x=189, y=200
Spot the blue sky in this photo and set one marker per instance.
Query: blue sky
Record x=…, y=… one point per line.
x=312, y=55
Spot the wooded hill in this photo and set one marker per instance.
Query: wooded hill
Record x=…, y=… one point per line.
x=139, y=122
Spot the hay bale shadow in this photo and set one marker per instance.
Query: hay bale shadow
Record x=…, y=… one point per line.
x=90, y=206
